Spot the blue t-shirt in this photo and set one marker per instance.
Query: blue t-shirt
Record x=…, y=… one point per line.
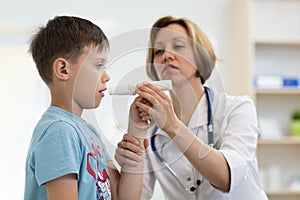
x=62, y=144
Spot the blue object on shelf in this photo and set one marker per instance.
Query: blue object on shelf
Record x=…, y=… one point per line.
x=275, y=81
x=290, y=82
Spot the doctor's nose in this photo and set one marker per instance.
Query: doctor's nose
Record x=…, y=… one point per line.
x=167, y=56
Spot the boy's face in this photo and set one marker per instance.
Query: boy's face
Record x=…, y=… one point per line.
x=90, y=78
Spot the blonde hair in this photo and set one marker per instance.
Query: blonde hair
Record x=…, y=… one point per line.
x=202, y=48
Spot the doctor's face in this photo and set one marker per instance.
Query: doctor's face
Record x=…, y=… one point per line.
x=173, y=55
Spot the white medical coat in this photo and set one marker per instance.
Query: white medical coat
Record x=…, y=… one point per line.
x=235, y=135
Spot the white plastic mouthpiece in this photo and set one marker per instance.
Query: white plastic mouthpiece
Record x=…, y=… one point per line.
x=131, y=88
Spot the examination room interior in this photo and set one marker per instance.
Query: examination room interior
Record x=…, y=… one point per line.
x=257, y=41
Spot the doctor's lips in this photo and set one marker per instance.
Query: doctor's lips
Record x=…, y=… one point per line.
x=168, y=66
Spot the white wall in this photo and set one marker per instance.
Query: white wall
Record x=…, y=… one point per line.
x=24, y=97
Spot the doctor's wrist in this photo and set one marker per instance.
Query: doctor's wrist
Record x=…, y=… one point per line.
x=174, y=129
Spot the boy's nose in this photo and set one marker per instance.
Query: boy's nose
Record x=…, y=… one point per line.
x=105, y=77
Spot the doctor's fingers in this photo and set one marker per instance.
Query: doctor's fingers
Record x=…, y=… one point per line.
x=158, y=114
x=154, y=100
x=157, y=90
x=144, y=108
x=145, y=101
x=130, y=138
x=143, y=114
x=133, y=140
x=156, y=107
x=153, y=91
x=132, y=146
x=127, y=158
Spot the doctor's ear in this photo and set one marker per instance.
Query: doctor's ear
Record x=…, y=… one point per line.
x=60, y=69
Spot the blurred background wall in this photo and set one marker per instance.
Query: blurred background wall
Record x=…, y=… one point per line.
x=24, y=97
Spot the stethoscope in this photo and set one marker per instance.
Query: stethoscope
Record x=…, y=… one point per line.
x=210, y=142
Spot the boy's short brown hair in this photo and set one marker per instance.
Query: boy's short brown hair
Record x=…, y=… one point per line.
x=63, y=36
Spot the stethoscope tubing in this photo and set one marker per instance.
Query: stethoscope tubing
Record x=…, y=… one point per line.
x=209, y=126
x=209, y=117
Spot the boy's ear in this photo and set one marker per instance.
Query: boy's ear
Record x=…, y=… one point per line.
x=60, y=69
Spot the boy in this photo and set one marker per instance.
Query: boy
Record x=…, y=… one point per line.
x=66, y=158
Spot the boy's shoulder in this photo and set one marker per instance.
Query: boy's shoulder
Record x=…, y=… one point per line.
x=55, y=114
x=58, y=118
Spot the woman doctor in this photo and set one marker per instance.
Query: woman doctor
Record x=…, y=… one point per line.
x=203, y=142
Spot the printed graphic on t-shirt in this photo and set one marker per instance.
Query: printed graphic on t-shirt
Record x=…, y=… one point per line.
x=99, y=173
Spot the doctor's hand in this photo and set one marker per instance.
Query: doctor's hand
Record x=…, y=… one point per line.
x=129, y=152
x=160, y=110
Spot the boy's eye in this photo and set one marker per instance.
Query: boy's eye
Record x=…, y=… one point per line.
x=100, y=66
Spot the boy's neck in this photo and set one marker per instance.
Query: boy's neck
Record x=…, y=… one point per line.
x=64, y=101
x=70, y=109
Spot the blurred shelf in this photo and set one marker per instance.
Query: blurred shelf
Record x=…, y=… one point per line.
x=289, y=140
x=276, y=48
x=283, y=192
x=278, y=91
x=285, y=42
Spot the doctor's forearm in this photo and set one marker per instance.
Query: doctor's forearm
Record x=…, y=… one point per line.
x=213, y=166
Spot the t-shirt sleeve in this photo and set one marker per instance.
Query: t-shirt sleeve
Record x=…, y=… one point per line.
x=57, y=154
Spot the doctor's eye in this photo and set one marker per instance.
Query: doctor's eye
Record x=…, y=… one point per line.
x=178, y=47
x=158, y=52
